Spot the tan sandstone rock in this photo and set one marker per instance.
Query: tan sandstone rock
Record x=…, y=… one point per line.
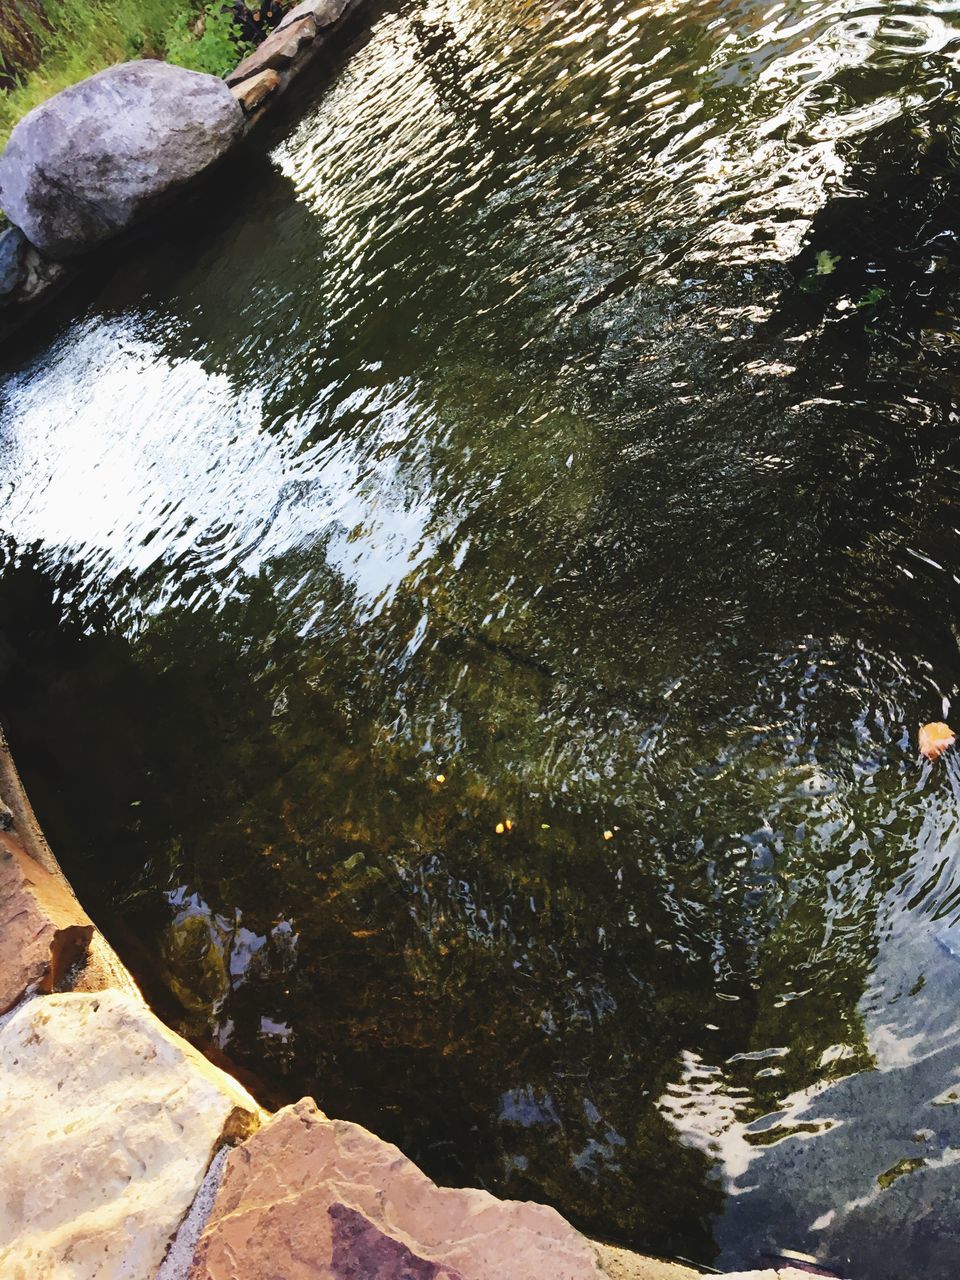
x=250, y=93
x=277, y=51
x=43, y=929
x=109, y=1121
x=307, y=1197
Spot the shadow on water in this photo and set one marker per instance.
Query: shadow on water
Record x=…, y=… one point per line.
x=473, y=606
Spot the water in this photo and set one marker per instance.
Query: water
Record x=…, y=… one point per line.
x=470, y=585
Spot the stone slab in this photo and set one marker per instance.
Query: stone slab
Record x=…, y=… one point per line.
x=277, y=51
x=109, y=1122
x=43, y=929
x=250, y=93
x=324, y=13
x=305, y=1197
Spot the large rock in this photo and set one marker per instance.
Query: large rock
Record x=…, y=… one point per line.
x=308, y=1198
x=95, y=158
x=43, y=929
x=109, y=1121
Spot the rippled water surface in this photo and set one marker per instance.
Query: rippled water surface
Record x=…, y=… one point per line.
x=470, y=585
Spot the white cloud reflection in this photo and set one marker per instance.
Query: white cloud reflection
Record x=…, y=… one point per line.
x=127, y=460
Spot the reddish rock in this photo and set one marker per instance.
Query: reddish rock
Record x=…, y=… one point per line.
x=277, y=51
x=43, y=929
x=361, y=1250
x=308, y=1198
x=250, y=93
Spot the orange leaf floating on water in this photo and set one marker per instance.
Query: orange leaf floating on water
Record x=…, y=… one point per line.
x=935, y=738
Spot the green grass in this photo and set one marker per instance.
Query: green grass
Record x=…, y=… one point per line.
x=81, y=37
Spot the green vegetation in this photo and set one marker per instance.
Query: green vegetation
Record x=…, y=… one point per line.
x=75, y=38
x=871, y=297
x=902, y=1167
x=211, y=43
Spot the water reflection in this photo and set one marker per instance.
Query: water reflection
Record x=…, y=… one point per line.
x=872, y=1172
x=185, y=482
x=494, y=573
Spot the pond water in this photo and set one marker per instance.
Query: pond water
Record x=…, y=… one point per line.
x=468, y=592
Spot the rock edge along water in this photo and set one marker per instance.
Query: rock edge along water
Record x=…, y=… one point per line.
x=98, y=159
x=111, y=1123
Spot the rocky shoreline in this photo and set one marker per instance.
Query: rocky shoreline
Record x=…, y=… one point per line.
x=102, y=158
x=128, y=1155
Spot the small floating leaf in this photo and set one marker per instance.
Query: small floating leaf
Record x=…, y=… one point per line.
x=935, y=738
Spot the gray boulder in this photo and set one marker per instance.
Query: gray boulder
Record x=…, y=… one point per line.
x=97, y=157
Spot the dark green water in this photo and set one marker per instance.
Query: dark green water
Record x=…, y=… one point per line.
x=567, y=407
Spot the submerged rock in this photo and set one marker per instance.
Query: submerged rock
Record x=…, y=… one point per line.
x=100, y=155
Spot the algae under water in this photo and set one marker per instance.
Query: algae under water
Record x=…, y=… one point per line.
x=470, y=585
